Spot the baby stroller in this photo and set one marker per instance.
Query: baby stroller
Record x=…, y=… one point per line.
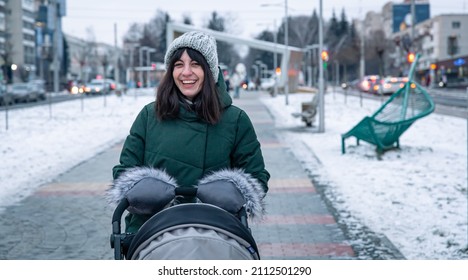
x=214, y=227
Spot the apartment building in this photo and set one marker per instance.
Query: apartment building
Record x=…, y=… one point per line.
x=3, y=37
x=17, y=38
x=27, y=28
x=439, y=39
x=442, y=42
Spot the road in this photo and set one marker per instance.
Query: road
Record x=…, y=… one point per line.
x=51, y=98
x=448, y=102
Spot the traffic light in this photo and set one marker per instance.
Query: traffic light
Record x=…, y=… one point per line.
x=278, y=71
x=324, y=55
x=410, y=57
x=325, y=58
x=153, y=66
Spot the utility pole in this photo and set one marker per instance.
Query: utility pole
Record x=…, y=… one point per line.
x=362, y=67
x=413, y=22
x=286, y=43
x=275, y=58
x=148, y=62
x=56, y=47
x=321, y=127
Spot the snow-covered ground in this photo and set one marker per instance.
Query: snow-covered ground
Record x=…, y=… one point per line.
x=44, y=141
x=416, y=196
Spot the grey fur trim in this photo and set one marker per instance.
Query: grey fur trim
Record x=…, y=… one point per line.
x=130, y=177
x=249, y=186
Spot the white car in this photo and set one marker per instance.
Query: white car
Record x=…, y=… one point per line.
x=99, y=86
x=390, y=85
x=24, y=92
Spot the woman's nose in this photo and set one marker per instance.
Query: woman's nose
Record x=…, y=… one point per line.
x=187, y=70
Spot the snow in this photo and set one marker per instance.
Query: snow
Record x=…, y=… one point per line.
x=416, y=196
x=44, y=141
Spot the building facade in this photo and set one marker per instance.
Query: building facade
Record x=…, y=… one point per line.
x=17, y=44
x=439, y=39
x=442, y=42
x=31, y=41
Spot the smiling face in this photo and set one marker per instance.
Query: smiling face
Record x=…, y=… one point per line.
x=188, y=76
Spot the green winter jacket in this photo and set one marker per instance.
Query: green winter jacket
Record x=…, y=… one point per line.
x=188, y=148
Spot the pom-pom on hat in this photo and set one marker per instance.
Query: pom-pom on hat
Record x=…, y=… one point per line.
x=202, y=42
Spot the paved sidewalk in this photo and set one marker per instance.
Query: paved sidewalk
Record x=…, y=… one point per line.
x=69, y=218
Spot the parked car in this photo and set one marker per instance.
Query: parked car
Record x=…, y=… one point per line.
x=390, y=85
x=24, y=92
x=39, y=87
x=6, y=98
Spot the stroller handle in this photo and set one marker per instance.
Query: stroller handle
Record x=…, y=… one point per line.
x=118, y=212
x=116, y=236
x=186, y=191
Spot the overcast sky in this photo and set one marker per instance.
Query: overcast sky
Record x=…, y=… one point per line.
x=248, y=16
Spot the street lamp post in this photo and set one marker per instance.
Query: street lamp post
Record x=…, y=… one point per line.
x=140, y=57
x=321, y=127
x=148, y=63
x=131, y=71
x=275, y=58
x=309, y=49
x=286, y=43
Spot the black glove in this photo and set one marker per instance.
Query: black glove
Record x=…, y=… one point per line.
x=231, y=189
x=149, y=196
x=221, y=193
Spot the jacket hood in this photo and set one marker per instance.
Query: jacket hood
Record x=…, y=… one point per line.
x=224, y=96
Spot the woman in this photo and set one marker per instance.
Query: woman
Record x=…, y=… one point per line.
x=191, y=134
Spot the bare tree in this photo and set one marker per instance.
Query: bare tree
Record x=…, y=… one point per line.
x=377, y=46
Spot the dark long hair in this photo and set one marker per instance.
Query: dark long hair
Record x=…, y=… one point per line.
x=206, y=104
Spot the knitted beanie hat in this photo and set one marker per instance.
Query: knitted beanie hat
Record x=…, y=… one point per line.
x=202, y=42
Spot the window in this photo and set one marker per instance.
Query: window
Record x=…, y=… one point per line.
x=452, y=45
x=456, y=24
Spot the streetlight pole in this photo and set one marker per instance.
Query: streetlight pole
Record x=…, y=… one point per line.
x=321, y=127
x=131, y=75
x=140, y=57
x=286, y=43
x=148, y=62
x=275, y=58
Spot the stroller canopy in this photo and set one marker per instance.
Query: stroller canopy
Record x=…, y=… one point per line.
x=193, y=231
